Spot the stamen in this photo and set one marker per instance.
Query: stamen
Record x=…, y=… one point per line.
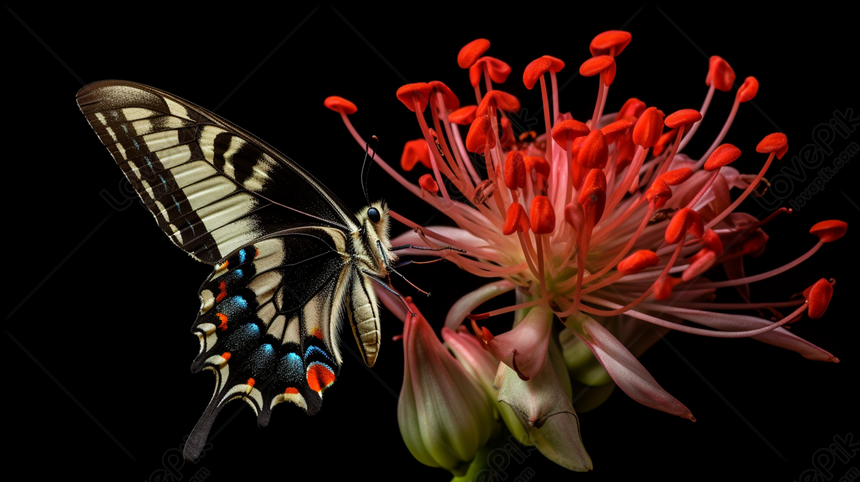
x=818, y=296
x=605, y=66
x=611, y=42
x=471, y=52
x=414, y=152
x=428, y=184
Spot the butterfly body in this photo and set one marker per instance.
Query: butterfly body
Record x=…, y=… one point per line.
x=289, y=260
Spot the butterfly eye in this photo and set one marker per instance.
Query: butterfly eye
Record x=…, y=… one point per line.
x=373, y=215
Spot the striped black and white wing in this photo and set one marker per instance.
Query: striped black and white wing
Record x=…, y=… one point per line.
x=211, y=186
x=278, y=240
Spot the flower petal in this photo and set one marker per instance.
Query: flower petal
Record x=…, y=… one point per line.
x=524, y=347
x=470, y=301
x=624, y=368
x=544, y=409
x=779, y=337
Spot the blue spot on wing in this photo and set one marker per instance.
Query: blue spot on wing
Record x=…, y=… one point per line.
x=314, y=349
x=291, y=367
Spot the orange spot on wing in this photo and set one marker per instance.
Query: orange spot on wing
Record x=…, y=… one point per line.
x=291, y=391
x=223, y=318
x=319, y=377
x=317, y=333
x=250, y=382
x=223, y=294
x=226, y=356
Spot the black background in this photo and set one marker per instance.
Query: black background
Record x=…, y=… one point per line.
x=110, y=321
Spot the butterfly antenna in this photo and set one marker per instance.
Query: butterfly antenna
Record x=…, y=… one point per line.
x=410, y=283
x=365, y=167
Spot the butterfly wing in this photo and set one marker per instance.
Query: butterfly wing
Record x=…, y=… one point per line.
x=211, y=186
x=277, y=238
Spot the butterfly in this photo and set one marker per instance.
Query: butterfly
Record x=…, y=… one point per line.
x=289, y=259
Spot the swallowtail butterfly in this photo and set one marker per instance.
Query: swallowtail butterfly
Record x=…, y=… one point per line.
x=289, y=259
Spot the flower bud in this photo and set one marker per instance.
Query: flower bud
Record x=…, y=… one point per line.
x=444, y=416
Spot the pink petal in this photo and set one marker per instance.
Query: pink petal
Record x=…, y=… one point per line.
x=477, y=361
x=524, y=347
x=779, y=337
x=624, y=368
x=471, y=301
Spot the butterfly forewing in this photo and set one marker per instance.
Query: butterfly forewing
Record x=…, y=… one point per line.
x=211, y=186
x=288, y=257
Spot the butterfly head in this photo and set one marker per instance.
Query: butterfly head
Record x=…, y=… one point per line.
x=374, y=222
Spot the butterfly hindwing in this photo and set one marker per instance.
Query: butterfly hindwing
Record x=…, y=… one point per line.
x=268, y=323
x=211, y=186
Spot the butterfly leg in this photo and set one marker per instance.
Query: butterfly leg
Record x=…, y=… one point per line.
x=424, y=248
x=390, y=290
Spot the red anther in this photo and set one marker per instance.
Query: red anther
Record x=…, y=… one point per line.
x=748, y=90
x=516, y=220
x=534, y=70
x=594, y=151
x=676, y=176
x=409, y=93
x=592, y=195
x=648, y=128
x=428, y=184
x=604, y=42
x=471, y=52
x=497, y=69
x=830, y=230
x=699, y=263
x=567, y=131
x=541, y=184
x=603, y=64
x=542, y=215
x=480, y=136
x=723, y=155
x=711, y=241
x=684, y=221
x=663, y=287
x=754, y=245
x=557, y=64
x=515, y=170
x=463, y=116
x=818, y=296
x=538, y=165
x=665, y=139
x=339, y=104
x=481, y=332
x=508, y=138
x=720, y=74
x=638, y=261
x=574, y=216
x=414, y=152
x=500, y=100
x=451, y=101
x=632, y=108
x=617, y=128
x=682, y=117
x=658, y=193
x=776, y=142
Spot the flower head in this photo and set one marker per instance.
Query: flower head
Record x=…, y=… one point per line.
x=603, y=227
